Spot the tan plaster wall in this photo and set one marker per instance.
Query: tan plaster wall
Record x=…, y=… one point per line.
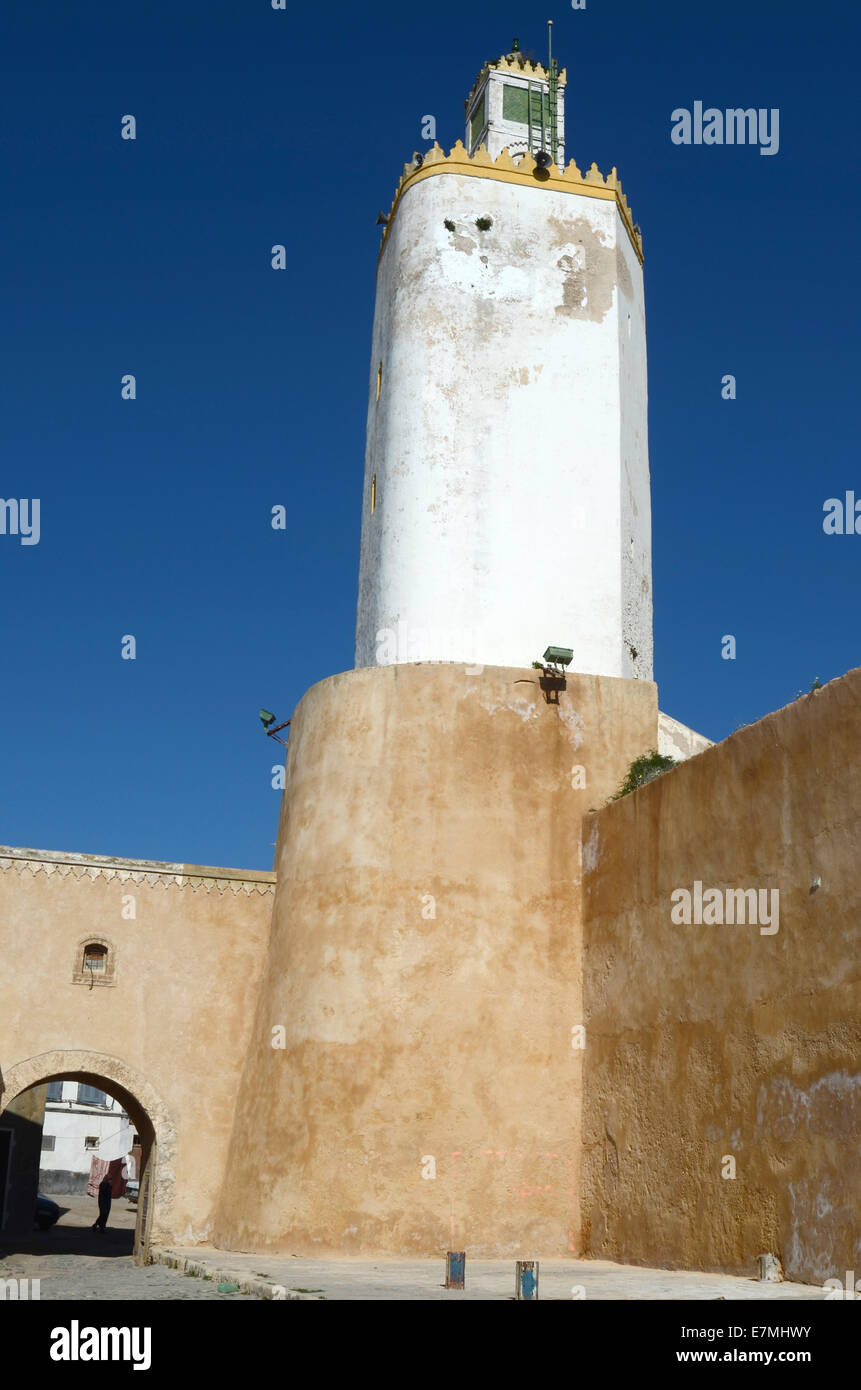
x=412, y=1038
x=168, y=1037
x=705, y=1041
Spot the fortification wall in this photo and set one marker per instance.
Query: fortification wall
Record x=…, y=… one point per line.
x=424, y=965
x=709, y=1041
x=168, y=1032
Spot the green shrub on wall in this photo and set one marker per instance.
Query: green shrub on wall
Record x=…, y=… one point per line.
x=642, y=770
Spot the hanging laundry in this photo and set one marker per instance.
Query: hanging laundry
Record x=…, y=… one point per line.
x=98, y=1170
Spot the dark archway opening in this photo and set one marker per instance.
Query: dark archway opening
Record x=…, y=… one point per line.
x=50, y=1133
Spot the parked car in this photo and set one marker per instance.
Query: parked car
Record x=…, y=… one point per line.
x=47, y=1212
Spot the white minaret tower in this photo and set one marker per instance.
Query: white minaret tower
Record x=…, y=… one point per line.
x=506, y=500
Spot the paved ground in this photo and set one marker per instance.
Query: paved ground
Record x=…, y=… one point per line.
x=398, y=1280
x=74, y=1262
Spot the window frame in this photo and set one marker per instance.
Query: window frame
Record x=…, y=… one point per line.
x=532, y=96
x=97, y=1092
x=477, y=130
x=83, y=975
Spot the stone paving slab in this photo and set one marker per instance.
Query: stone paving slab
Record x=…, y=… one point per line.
x=111, y=1279
x=292, y=1278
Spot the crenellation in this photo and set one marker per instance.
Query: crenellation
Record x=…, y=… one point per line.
x=481, y=164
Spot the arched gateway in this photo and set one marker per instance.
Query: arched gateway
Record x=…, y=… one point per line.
x=145, y=1108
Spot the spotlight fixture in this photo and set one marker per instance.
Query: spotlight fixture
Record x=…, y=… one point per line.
x=559, y=656
x=267, y=719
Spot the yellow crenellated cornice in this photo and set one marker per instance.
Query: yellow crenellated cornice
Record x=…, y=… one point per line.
x=592, y=184
x=520, y=66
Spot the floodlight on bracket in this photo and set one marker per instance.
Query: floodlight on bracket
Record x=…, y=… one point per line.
x=555, y=661
x=267, y=719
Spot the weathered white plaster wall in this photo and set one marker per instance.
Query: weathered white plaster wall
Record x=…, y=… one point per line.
x=636, y=503
x=677, y=741
x=509, y=443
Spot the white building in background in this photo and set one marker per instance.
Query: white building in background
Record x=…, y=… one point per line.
x=81, y=1123
x=507, y=497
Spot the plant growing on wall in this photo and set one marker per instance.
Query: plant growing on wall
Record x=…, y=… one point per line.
x=642, y=770
x=817, y=685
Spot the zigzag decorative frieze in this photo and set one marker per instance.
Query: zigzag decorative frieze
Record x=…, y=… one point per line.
x=155, y=878
x=520, y=170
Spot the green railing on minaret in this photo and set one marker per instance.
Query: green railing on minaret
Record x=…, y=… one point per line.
x=553, y=71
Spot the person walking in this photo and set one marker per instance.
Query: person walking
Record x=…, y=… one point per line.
x=105, y=1195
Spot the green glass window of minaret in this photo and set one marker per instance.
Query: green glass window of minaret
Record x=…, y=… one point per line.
x=476, y=125
x=519, y=104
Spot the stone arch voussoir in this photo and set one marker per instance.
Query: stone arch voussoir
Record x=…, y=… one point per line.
x=35, y=1070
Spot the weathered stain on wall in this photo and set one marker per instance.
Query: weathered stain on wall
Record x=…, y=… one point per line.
x=709, y=1042
x=425, y=966
x=513, y=404
x=676, y=740
x=588, y=262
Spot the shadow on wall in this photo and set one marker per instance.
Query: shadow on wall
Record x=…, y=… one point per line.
x=20, y=1156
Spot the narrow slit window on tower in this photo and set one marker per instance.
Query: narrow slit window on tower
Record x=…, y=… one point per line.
x=379, y=380
x=373, y=494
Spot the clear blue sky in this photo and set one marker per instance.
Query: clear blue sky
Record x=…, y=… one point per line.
x=254, y=127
